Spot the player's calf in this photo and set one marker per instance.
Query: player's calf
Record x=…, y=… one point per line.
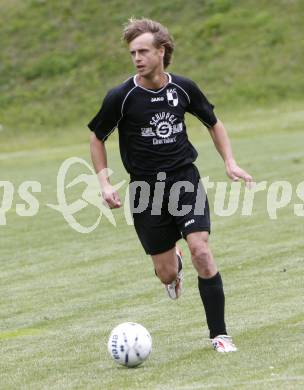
x=174, y=289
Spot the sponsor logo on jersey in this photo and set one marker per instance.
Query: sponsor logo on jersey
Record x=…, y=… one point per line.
x=157, y=99
x=163, y=125
x=190, y=222
x=172, y=97
x=164, y=129
x=163, y=116
x=147, y=132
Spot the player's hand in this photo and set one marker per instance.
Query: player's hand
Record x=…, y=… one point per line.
x=236, y=173
x=111, y=197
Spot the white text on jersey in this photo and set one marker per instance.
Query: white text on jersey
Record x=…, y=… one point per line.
x=157, y=99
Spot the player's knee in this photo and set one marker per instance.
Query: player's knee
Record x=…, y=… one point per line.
x=200, y=253
x=166, y=275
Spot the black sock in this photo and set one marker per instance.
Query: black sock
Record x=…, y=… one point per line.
x=213, y=298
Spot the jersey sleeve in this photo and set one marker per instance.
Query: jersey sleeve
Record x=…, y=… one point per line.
x=200, y=106
x=107, y=118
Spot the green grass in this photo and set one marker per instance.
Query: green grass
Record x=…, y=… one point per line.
x=58, y=58
x=61, y=292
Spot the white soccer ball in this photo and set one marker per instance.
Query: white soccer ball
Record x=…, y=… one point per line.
x=130, y=344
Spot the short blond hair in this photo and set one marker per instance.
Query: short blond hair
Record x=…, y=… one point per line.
x=137, y=27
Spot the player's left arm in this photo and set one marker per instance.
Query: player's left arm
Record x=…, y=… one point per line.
x=222, y=143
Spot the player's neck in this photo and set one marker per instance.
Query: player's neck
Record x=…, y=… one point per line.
x=156, y=81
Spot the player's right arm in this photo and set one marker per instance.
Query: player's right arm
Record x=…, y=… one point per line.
x=102, y=125
x=99, y=159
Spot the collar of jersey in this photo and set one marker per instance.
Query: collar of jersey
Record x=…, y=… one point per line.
x=150, y=90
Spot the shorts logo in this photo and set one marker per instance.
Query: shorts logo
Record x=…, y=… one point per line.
x=172, y=97
x=190, y=222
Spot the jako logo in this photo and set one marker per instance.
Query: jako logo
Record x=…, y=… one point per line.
x=189, y=222
x=157, y=99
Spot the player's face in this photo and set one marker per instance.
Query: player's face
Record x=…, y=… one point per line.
x=147, y=59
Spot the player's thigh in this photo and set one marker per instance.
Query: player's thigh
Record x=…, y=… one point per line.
x=157, y=233
x=193, y=213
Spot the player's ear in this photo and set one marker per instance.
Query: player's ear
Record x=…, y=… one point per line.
x=162, y=51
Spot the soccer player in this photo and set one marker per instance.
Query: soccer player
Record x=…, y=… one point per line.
x=148, y=110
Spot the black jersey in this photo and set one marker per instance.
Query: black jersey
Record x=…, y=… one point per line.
x=151, y=125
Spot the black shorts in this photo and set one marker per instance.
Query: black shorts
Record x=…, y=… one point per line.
x=168, y=207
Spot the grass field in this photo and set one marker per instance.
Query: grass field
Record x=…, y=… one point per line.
x=61, y=292
x=58, y=58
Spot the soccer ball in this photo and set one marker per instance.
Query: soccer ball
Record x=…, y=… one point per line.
x=130, y=344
